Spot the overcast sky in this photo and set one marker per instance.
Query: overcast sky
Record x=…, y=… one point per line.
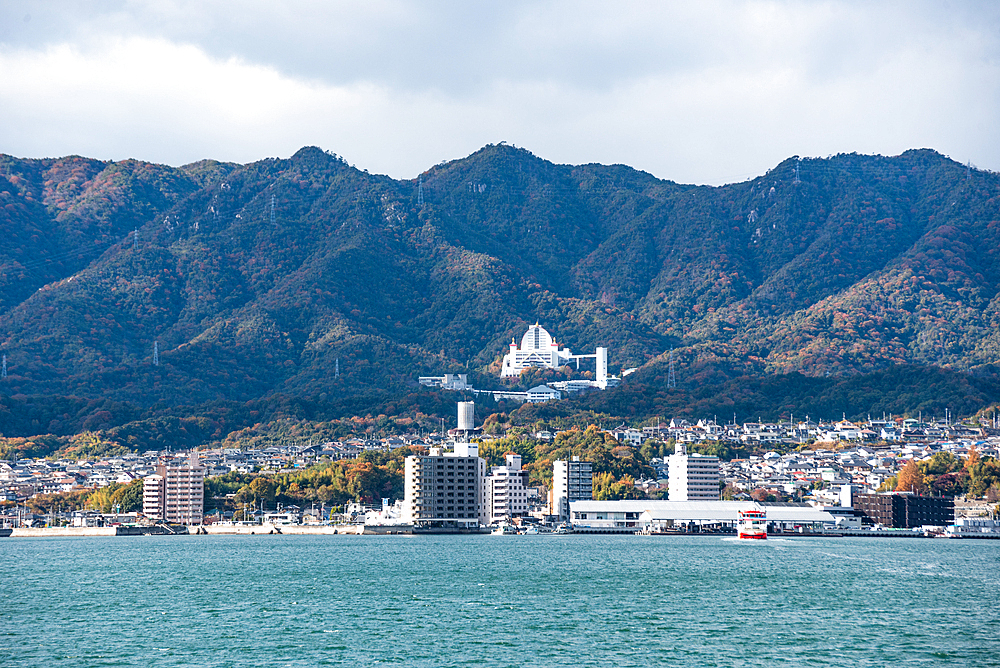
x=695, y=92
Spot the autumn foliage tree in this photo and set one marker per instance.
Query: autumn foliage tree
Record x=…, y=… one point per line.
x=910, y=478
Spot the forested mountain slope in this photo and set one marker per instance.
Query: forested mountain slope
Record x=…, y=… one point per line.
x=265, y=278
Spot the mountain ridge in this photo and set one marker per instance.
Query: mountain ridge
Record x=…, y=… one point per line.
x=267, y=277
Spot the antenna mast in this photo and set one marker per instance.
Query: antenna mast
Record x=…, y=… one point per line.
x=671, y=379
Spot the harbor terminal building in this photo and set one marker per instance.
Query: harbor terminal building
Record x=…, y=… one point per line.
x=630, y=516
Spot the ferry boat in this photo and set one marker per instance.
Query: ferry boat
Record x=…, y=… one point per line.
x=752, y=524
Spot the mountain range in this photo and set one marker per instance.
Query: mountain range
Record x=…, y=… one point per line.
x=306, y=277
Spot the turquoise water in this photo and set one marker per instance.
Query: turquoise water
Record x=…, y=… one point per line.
x=498, y=601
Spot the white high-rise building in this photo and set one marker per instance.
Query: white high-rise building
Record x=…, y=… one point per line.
x=571, y=481
x=692, y=477
x=176, y=492
x=445, y=490
x=507, y=490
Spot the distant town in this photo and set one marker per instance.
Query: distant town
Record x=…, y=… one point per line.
x=812, y=476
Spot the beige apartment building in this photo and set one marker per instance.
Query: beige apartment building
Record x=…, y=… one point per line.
x=176, y=492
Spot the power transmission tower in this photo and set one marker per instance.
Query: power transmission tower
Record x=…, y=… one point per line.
x=135, y=239
x=797, y=180
x=4, y=366
x=336, y=369
x=420, y=191
x=671, y=379
x=156, y=353
x=272, y=210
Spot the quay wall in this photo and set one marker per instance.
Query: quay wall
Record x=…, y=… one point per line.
x=61, y=532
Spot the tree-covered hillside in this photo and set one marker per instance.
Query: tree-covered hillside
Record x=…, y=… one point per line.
x=267, y=278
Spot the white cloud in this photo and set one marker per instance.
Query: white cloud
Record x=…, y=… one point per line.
x=712, y=92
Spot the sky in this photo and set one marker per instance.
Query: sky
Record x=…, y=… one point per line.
x=695, y=92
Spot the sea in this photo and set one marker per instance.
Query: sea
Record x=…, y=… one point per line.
x=481, y=600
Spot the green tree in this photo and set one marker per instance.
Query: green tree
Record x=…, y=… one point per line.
x=259, y=491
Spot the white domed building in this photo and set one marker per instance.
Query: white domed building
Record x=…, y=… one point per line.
x=537, y=350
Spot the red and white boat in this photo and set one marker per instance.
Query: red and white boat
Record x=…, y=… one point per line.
x=752, y=524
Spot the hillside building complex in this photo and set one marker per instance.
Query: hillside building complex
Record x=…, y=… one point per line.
x=176, y=492
x=507, y=490
x=692, y=477
x=571, y=481
x=538, y=350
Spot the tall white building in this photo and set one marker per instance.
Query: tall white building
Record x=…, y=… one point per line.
x=507, y=490
x=692, y=477
x=571, y=481
x=176, y=492
x=445, y=490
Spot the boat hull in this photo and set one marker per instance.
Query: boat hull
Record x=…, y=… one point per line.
x=751, y=536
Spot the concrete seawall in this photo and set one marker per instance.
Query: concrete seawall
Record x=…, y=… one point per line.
x=62, y=532
x=207, y=530
x=285, y=529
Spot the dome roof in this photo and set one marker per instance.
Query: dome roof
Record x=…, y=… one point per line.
x=536, y=338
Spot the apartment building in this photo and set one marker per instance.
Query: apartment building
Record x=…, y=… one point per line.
x=445, y=490
x=692, y=477
x=507, y=490
x=176, y=492
x=571, y=481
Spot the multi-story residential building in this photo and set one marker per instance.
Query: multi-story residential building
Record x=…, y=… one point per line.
x=571, y=481
x=692, y=477
x=176, y=492
x=902, y=510
x=445, y=490
x=507, y=490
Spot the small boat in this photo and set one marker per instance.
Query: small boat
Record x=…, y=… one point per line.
x=752, y=524
x=531, y=531
x=504, y=529
x=562, y=528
